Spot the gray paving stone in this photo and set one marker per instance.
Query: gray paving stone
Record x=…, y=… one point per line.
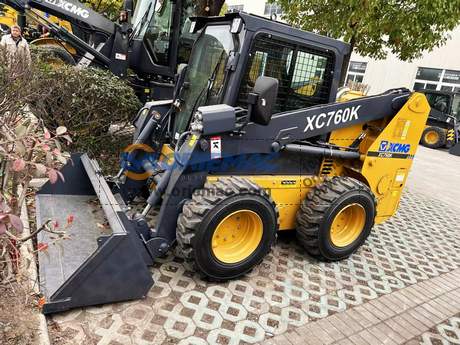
x=440, y=309
x=427, y=312
x=376, y=312
x=413, y=321
x=380, y=306
x=367, y=314
x=308, y=337
x=366, y=335
x=349, y=321
x=281, y=340
x=384, y=338
x=445, y=281
x=358, y=318
x=390, y=332
x=423, y=319
x=390, y=304
x=345, y=341
x=407, y=325
x=330, y=329
x=342, y=327
x=396, y=326
x=358, y=340
x=451, y=299
x=425, y=291
x=440, y=288
x=320, y=333
x=404, y=299
x=268, y=341
x=449, y=306
x=416, y=293
x=294, y=338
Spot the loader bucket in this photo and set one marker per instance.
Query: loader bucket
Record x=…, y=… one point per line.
x=455, y=149
x=101, y=264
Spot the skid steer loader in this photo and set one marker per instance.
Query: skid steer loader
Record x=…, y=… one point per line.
x=239, y=154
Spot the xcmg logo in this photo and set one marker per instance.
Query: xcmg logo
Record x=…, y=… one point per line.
x=69, y=7
x=386, y=146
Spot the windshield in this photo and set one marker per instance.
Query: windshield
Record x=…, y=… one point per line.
x=206, y=72
x=142, y=15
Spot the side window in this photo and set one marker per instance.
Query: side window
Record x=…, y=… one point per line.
x=304, y=74
x=438, y=102
x=456, y=107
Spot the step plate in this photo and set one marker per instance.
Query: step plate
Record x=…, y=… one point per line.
x=63, y=261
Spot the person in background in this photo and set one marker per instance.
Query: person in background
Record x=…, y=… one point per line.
x=14, y=43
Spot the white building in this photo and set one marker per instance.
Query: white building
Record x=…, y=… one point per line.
x=438, y=70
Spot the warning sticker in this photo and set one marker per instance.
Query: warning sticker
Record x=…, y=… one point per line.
x=399, y=129
x=119, y=56
x=400, y=177
x=406, y=128
x=216, y=148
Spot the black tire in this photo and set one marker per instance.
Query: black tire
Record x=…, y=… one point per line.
x=433, y=131
x=204, y=212
x=323, y=203
x=61, y=53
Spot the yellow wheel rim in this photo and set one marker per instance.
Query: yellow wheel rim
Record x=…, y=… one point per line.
x=431, y=137
x=237, y=236
x=347, y=225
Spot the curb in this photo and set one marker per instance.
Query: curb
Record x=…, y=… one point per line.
x=32, y=273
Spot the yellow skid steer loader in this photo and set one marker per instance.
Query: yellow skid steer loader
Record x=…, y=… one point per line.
x=240, y=153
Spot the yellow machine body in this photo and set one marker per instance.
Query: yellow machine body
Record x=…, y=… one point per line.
x=384, y=173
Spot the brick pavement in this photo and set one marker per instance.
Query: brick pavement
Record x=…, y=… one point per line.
x=290, y=290
x=405, y=318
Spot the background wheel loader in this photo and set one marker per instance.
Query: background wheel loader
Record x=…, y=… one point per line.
x=442, y=128
x=239, y=154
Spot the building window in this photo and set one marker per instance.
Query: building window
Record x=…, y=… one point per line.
x=356, y=71
x=437, y=79
x=272, y=8
x=235, y=8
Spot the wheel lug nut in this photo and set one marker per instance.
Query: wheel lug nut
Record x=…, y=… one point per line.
x=225, y=238
x=234, y=235
x=218, y=236
x=239, y=226
x=237, y=219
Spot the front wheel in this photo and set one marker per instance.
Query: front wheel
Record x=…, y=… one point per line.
x=227, y=228
x=336, y=218
x=433, y=137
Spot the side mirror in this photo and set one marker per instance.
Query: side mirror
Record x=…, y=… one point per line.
x=263, y=100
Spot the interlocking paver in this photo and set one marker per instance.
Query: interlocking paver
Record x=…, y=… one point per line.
x=404, y=262
x=329, y=328
x=407, y=325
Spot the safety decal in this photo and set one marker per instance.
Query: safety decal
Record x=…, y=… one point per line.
x=216, y=148
x=119, y=56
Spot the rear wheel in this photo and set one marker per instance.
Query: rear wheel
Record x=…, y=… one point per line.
x=336, y=218
x=61, y=54
x=227, y=228
x=433, y=137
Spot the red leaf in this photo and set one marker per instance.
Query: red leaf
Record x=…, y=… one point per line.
x=42, y=301
x=47, y=133
x=17, y=223
x=61, y=176
x=52, y=174
x=56, y=151
x=56, y=224
x=70, y=220
x=19, y=165
x=46, y=147
x=2, y=228
x=42, y=246
x=41, y=169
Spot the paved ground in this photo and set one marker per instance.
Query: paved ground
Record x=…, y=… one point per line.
x=288, y=291
x=436, y=173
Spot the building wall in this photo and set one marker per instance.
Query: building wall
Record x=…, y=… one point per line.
x=383, y=75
